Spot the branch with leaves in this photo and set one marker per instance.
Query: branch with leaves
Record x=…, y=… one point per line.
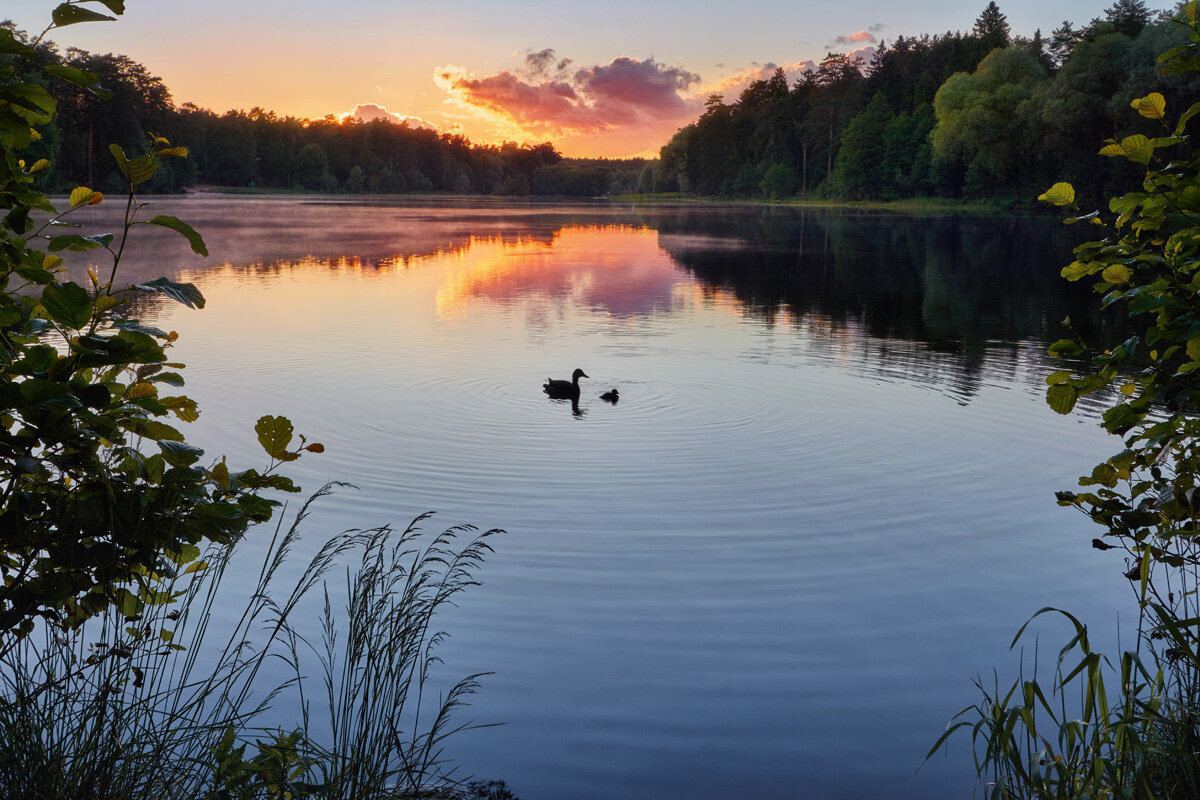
x=101, y=497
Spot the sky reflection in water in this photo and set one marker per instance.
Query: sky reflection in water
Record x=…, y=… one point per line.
x=824, y=502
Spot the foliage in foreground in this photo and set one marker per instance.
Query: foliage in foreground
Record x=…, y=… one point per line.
x=1129, y=730
x=120, y=674
x=171, y=704
x=100, y=497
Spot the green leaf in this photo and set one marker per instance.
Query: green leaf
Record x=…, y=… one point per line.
x=1193, y=348
x=180, y=454
x=14, y=130
x=1060, y=194
x=1055, y=378
x=152, y=429
x=175, y=224
x=9, y=46
x=68, y=304
x=274, y=434
x=118, y=153
x=37, y=103
x=1061, y=397
x=66, y=15
x=73, y=242
x=1186, y=117
x=79, y=77
x=185, y=293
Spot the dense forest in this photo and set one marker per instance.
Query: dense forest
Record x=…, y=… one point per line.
x=258, y=148
x=978, y=114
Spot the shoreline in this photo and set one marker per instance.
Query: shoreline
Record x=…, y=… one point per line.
x=926, y=205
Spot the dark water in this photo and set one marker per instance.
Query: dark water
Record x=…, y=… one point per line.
x=823, y=503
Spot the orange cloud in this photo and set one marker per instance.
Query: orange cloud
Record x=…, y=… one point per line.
x=732, y=86
x=639, y=100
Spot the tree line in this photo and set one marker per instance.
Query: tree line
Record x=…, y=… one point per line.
x=977, y=114
x=259, y=148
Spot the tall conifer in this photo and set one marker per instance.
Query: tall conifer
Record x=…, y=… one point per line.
x=992, y=27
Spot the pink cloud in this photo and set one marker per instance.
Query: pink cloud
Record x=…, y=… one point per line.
x=624, y=93
x=864, y=54
x=855, y=38
x=369, y=112
x=540, y=107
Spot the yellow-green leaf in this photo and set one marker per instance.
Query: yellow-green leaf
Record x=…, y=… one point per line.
x=1112, y=150
x=1117, y=273
x=1152, y=106
x=1076, y=270
x=1138, y=148
x=1055, y=378
x=39, y=165
x=220, y=474
x=106, y=301
x=1128, y=389
x=1060, y=194
x=81, y=195
x=141, y=389
x=1193, y=348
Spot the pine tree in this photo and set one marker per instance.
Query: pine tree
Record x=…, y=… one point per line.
x=1062, y=42
x=1130, y=16
x=992, y=27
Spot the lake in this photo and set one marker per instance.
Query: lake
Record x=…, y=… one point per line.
x=823, y=503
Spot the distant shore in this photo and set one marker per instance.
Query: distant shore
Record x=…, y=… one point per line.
x=916, y=205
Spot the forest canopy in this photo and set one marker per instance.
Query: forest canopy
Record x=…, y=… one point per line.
x=983, y=113
x=259, y=148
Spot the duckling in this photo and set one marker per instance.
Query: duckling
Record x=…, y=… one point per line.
x=611, y=397
x=564, y=390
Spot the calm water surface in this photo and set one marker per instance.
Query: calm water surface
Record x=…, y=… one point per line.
x=823, y=503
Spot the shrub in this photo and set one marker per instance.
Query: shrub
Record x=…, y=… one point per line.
x=1135, y=733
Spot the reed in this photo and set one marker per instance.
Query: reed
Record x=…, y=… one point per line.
x=168, y=704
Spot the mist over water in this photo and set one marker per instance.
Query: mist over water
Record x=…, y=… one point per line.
x=822, y=504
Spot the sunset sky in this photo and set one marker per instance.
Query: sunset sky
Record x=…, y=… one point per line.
x=611, y=79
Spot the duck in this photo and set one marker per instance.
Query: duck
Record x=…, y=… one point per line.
x=611, y=397
x=564, y=390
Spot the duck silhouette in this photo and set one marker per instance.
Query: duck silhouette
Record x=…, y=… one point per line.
x=611, y=397
x=564, y=390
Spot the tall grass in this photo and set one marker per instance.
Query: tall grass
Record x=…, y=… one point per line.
x=1094, y=729
x=171, y=704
